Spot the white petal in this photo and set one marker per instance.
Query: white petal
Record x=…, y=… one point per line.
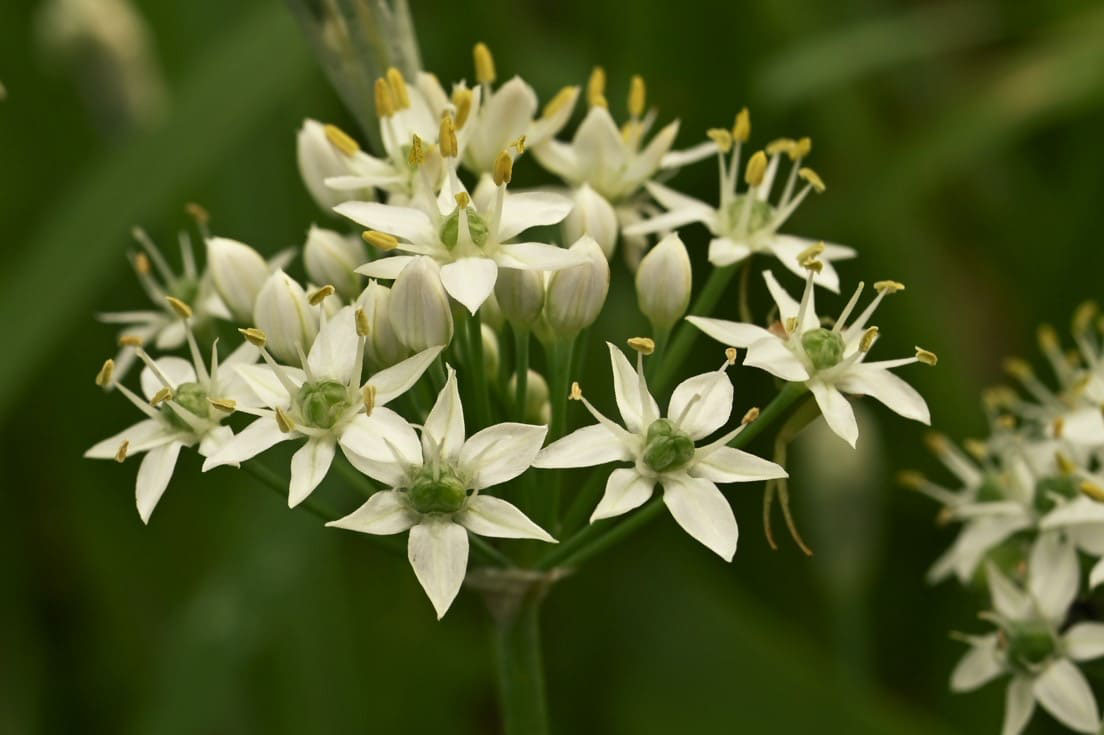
x=438, y=551
x=1064, y=693
x=1084, y=426
x=1079, y=511
x=638, y=408
x=139, y=437
x=443, y=431
x=678, y=159
x=382, y=446
x=531, y=209
x=673, y=200
x=585, y=447
x=592, y=215
x=772, y=354
x=500, y=453
x=487, y=516
x=702, y=404
x=1019, y=705
x=387, y=268
x=334, y=352
x=976, y=538
x=1085, y=641
x=214, y=440
x=394, y=381
x=726, y=251
x=981, y=664
x=1096, y=576
x=309, y=466
x=882, y=385
x=703, y=512
x=1008, y=599
x=787, y=305
x=470, y=280
x=383, y=514
x=153, y=477
x=1053, y=574
x=668, y=221
x=176, y=369
x=249, y=442
x=787, y=249
x=646, y=162
x=265, y=385
x=505, y=117
x=559, y=158
x=733, y=334
x=598, y=143
x=625, y=490
x=836, y=410
x=405, y=223
x=537, y=256
x=726, y=464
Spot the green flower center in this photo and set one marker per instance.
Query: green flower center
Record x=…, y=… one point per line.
x=823, y=346
x=665, y=447
x=192, y=397
x=990, y=491
x=1030, y=644
x=437, y=492
x=322, y=402
x=477, y=227
x=1046, y=488
x=760, y=215
x=184, y=288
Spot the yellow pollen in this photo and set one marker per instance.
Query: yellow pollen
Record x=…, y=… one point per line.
x=503, y=168
x=937, y=443
x=416, y=156
x=801, y=148
x=141, y=263
x=870, y=336
x=791, y=325
x=779, y=145
x=283, y=421
x=463, y=200
x=751, y=415
x=1059, y=427
x=730, y=355
x=756, y=167
x=341, y=140
x=381, y=240
x=1048, y=338
x=977, y=448
x=121, y=453
x=1084, y=316
x=398, y=88
x=812, y=178
x=1093, y=490
x=462, y=101
x=888, y=286
x=321, y=294
x=576, y=392
x=229, y=405
x=637, y=96
x=385, y=101
x=741, y=129
x=596, y=88
x=518, y=145
x=130, y=340
x=1065, y=465
x=721, y=137
x=814, y=265
x=182, y=310
x=161, y=396
x=1006, y=421
x=563, y=98
x=484, y=63
x=810, y=252
x=1018, y=368
x=911, y=479
x=198, y=213
x=446, y=137
x=254, y=336
x=643, y=345
x=369, y=395
x=363, y=328
x=103, y=377
x=927, y=356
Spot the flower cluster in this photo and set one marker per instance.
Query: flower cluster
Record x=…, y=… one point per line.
x=430, y=262
x=1030, y=502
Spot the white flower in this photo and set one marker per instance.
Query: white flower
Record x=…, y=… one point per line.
x=663, y=283
x=574, y=296
x=829, y=361
x=663, y=452
x=419, y=308
x=591, y=214
x=469, y=241
x=185, y=405
x=238, y=273
x=283, y=312
x=436, y=486
x=1031, y=648
x=520, y=296
x=321, y=403
x=325, y=152
x=748, y=223
x=330, y=257
x=382, y=348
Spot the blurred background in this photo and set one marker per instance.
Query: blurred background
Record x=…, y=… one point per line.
x=961, y=146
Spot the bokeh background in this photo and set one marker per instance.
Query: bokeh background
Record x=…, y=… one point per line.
x=961, y=145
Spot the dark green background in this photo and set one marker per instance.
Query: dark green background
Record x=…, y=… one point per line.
x=961, y=146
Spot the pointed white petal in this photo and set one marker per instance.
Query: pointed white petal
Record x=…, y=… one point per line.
x=585, y=447
x=470, y=280
x=249, y=442
x=726, y=464
x=487, y=516
x=598, y=144
x=703, y=512
x=673, y=200
x=504, y=117
x=1085, y=641
x=153, y=477
x=836, y=410
x=1083, y=426
x=405, y=223
x=334, y=352
x=625, y=491
x=645, y=163
x=214, y=440
x=500, y=453
x=139, y=437
x=443, y=431
x=678, y=159
x=559, y=158
x=772, y=354
x=309, y=466
x=382, y=514
x=668, y=221
x=1064, y=693
x=1053, y=574
x=1019, y=705
x=264, y=384
x=882, y=385
x=976, y=538
x=787, y=249
x=387, y=269
x=537, y=256
x=981, y=664
x=382, y=446
x=176, y=369
x=438, y=551
x=1079, y=511
x=702, y=404
x=732, y=334
x=787, y=305
x=637, y=407
x=394, y=381
x=726, y=251
x=531, y=209
x=1008, y=600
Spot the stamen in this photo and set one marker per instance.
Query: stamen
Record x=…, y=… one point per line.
x=756, y=167
x=130, y=340
x=741, y=129
x=888, y=286
x=810, y=176
x=801, y=148
x=385, y=101
x=398, y=88
x=643, y=345
x=321, y=294
x=484, y=63
x=141, y=264
x=462, y=100
x=518, y=145
x=363, y=327
x=154, y=368
x=284, y=422
x=636, y=96
x=1058, y=426
x=1083, y=317
x=809, y=254
x=140, y=404
x=369, y=394
x=160, y=396
x=1094, y=491
x=182, y=310
x=686, y=409
x=840, y=322
x=103, y=377
x=503, y=168
x=596, y=88
x=381, y=240
x=229, y=405
x=254, y=336
x=722, y=138
x=978, y=449
x=751, y=416
x=730, y=355
x=463, y=200
x=576, y=393
x=121, y=453
x=927, y=357
x=416, y=156
x=1065, y=465
x=446, y=137
x=155, y=255
x=341, y=140
x=557, y=103
x=869, y=337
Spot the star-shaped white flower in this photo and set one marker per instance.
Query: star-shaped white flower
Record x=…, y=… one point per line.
x=1031, y=647
x=745, y=224
x=436, y=487
x=663, y=452
x=829, y=361
x=321, y=403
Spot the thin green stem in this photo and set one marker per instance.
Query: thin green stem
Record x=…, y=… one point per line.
x=521, y=366
x=520, y=668
x=487, y=552
x=477, y=371
x=584, y=502
x=776, y=407
x=437, y=374
x=354, y=477
x=561, y=376
x=745, y=276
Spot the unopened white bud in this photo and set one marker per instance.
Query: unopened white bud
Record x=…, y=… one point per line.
x=491, y=313
x=491, y=358
x=575, y=295
x=663, y=283
x=238, y=273
x=419, y=309
x=284, y=313
x=382, y=348
x=330, y=257
x=538, y=409
x=520, y=295
x=319, y=159
x=592, y=215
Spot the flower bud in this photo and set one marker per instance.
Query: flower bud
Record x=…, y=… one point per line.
x=283, y=312
x=238, y=273
x=491, y=313
x=491, y=358
x=575, y=295
x=420, y=312
x=538, y=409
x=520, y=295
x=592, y=215
x=318, y=160
x=663, y=283
x=330, y=257
x=382, y=348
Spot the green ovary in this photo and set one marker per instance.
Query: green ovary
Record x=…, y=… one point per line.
x=437, y=492
x=665, y=447
x=477, y=227
x=1030, y=644
x=1046, y=488
x=823, y=346
x=760, y=215
x=192, y=397
x=322, y=402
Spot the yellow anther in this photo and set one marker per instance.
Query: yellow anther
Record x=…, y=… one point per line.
x=503, y=168
x=637, y=96
x=484, y=63
x=813, y=265
x=751, y=415
x=446, y=137
x=888, y=286
x=229, y=405
x=1058, y=426
x=121, y=452
x=576, y=392
x=870, y=336
x=801, y=148
x=812, y=178
x=1018, y=368
x=518, y=145
x=721, y=137
x=560, y=101
x=398, y=88
x=103, y=377
x=1048, y=338
x=741, y=129
x=416, y=156
x=381, y=240
x=130, y=340
x=321, y=294
x=911, y=479
x=385, y=100
x=643, y=345
x=283, y=421
x=463, y=200
x=1083, y=317
x=927, y=356
x=790, y=325
x=978, y=449
x=141, y=263
x=779, y=145
x=182, y=310
x=810, y=253
x=596, y=88
x=1093, y=490
x=161, y=396
x=730, y=355
x=1005, y=421
x=198, y=213
x=937, y=443
x=363, y=326
x=1065, y=465
x=462, y=100
x=756, y=167
x=341, y=140
x=369, y=396
x=254, y=336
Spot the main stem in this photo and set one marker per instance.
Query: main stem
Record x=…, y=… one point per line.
x=520, y=665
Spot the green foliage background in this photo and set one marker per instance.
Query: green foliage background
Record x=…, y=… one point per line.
x=961, y=146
